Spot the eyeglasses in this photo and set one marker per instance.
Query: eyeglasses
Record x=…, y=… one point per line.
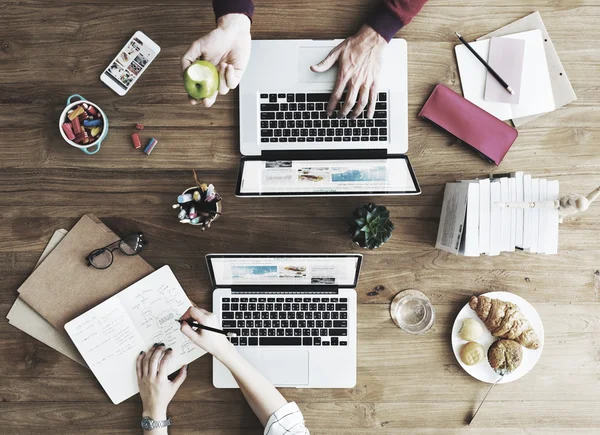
x=129, y=245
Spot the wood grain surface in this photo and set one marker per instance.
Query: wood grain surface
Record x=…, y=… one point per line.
x=406, y=384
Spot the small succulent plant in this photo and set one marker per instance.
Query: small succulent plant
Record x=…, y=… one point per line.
x=370, y=226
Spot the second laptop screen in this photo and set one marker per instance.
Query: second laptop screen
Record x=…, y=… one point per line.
x=384, y=176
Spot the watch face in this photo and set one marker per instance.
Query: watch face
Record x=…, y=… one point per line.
x=147, y=423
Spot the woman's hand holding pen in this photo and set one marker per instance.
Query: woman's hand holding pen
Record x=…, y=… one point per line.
x=215, y=344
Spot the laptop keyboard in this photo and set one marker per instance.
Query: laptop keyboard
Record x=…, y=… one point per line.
x=303, y=118
x=306, y=321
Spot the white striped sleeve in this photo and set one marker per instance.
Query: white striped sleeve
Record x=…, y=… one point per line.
x=287, y=420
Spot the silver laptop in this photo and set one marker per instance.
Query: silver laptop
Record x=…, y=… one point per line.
x=293, y=148
x=294, y=316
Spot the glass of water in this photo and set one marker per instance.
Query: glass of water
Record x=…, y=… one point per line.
x=412, y=312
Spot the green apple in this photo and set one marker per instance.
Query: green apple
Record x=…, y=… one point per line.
x=201, y=79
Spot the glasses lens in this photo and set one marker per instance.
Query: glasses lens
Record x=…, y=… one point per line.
x=100, y=258
x=131, y=245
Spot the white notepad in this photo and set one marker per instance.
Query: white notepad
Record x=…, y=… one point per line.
x=495, y=218
x=519, y=212
x=111, y=335
x=552, y=218
x=536, y=88
x=484, y=215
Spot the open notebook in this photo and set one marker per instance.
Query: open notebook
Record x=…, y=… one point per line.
x=536, y=88
x=111, y=335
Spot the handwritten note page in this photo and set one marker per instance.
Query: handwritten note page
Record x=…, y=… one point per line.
x=111, y=335
x=109, y=343
x=153, y=304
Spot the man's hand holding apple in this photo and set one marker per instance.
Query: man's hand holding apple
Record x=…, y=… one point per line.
x=228, y=48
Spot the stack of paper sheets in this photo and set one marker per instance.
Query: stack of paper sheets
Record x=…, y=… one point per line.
x=473, y=222
x=535, y=88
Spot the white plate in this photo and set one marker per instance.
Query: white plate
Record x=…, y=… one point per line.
x=483, y=371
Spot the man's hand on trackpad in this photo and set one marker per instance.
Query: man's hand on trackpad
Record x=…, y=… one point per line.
x=359, y=64
x=227, y=48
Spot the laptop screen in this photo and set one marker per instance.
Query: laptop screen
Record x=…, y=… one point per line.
x=232, y=270
x=387, y=176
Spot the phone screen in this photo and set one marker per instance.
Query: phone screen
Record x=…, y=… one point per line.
x=130, y=62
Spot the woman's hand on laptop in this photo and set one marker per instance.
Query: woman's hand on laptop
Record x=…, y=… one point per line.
x=228, y=48
x=156, y=390
x=359, y=59
x=212, y=342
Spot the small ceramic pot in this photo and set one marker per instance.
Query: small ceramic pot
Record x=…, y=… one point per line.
x=98, y=142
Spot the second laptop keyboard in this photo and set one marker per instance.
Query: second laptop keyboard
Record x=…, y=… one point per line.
x=303, y=118
x=299, y=321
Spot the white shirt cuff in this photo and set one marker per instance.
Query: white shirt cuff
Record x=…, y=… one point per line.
x=286, y=420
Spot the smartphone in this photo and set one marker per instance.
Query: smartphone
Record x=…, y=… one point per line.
x=127, y=67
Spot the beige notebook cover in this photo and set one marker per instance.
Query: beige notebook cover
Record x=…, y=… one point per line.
x=64, y=286
x=25, y=318
x=562, y=90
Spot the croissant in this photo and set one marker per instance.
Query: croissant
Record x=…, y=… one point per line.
x=505, y=320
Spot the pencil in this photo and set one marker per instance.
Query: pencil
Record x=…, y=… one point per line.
x=197, y=325
x=485, y=64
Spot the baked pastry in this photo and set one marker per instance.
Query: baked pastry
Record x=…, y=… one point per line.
x=471, y=330
x=505, y=356
x=472, y=353
x=505, y=320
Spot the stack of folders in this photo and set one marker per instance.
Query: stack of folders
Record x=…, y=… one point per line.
x=474, y=220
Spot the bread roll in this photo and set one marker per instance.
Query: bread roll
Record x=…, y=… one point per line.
x=505, y=356
x=472, y=353
x=471, y=330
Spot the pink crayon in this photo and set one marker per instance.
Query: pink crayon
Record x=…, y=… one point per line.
x=68, y=131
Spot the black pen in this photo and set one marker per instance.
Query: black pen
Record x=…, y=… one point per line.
x=485, y=64
x=197, y=325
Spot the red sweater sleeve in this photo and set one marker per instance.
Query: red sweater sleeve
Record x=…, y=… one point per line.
x=391, y=15
x=224, y=7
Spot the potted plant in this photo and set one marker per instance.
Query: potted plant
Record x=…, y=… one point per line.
x=370, y=226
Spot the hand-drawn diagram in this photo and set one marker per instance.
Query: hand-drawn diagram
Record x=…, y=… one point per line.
x=156, y=312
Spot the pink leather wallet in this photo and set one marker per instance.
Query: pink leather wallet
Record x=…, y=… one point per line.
x=483, y=132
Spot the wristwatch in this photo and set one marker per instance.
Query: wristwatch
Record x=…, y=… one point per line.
x=149, y=424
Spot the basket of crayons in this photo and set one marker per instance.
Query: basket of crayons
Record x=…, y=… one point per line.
x=199, y=205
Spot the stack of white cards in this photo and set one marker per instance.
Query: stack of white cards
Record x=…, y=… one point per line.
x=474, y=222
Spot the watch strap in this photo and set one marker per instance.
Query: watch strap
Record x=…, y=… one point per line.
x=155, y=424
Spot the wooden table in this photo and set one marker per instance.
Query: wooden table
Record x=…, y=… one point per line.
x=406, y=384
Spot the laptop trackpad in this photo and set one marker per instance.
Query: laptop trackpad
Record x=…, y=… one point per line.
x=285, y=367
x=308, y=56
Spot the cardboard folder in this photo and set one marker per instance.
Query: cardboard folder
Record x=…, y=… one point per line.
x=64, y=286
x=25, y=318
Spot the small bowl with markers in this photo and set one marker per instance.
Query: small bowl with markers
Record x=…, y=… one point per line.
x=199, y=206
x=83, y=124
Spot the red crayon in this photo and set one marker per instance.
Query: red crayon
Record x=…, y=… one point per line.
x=76, y=126
x=136, y=141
